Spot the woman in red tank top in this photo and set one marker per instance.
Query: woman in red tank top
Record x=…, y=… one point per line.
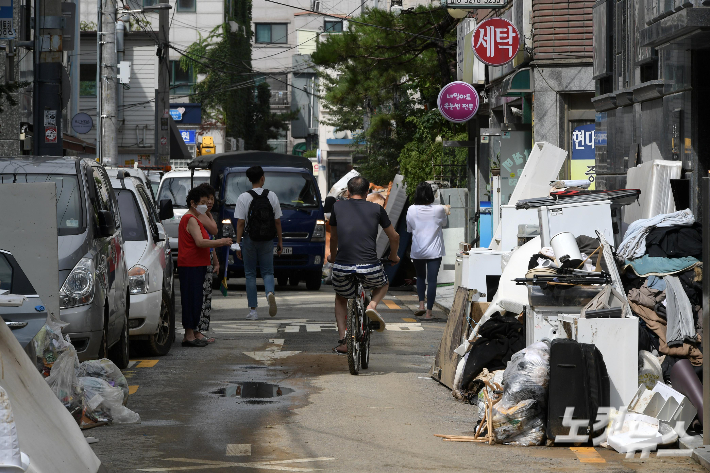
x=193, y=258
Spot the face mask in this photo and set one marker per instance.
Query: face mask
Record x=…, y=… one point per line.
x=201, y=209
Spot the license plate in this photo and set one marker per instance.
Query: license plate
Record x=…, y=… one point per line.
x=287, y=250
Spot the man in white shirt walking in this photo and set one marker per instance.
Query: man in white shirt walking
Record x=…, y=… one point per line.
x=258, y=214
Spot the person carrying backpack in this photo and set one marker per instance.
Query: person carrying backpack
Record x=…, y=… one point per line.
x=258, y=214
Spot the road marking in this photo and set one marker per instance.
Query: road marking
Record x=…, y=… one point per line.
x=391, y=304
x=142, y=363
x=404, y=327
x=272, y=352
x=263, y=465
x=587, y=455
x=238, y=449
x=132, y=389
x=128, y=373
x=409, y=320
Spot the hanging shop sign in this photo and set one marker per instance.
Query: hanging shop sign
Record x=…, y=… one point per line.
x=473, y=4
x=82, y=123
x=458, y=102
x=495, y=41
x=583, y=163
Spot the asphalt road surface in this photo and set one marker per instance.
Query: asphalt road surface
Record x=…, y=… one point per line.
x=200, y=411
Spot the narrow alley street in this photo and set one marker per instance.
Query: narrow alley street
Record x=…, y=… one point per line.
x=199, y=412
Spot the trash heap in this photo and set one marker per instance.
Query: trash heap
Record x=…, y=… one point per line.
x=603, y=349
x=95, y=392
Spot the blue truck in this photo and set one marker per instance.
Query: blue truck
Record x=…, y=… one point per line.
x=302, y=223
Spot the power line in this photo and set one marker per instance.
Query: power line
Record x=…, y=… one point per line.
x=367, y=24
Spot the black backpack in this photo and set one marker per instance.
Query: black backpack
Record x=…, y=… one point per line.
x=261, y=225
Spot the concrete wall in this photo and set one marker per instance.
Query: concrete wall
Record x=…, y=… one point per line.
x=548, y=106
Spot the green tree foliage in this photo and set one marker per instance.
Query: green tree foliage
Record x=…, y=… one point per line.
x=381, y=78
x=422, y=157
x=228, y=92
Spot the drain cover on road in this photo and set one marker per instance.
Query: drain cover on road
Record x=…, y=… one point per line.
x=253, y=390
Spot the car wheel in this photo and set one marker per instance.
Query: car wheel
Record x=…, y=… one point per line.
x=159, y=343
x=282, y=280
x=313, y=281
x=293, y=281
x=119, y=353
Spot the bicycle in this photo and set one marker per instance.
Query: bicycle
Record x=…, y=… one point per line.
x=358, y=329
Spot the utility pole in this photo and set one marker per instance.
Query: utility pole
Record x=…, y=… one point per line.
x=107, y=70
x=47, y=91
x=162, y=93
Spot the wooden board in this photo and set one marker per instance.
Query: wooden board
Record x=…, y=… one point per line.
x=445, y=362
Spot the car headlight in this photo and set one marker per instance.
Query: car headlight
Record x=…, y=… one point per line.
x=227, y=229
x=319, y=231
x=78, y=289
x=138, y=280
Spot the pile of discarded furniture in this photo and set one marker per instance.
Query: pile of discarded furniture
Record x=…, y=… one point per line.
x=577, y=326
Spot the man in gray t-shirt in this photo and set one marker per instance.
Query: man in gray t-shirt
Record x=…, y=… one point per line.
x=354, y=225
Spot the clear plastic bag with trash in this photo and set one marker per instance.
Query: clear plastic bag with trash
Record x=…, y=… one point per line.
x=104, y=403
x=63, y=381
x=49, y=344
x=327, y=273
x=519, y=417
x=105, y=369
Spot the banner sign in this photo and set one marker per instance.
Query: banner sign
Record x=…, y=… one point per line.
x=496, y=41
x=473, y=4
x=583, y=163
x=458, y=102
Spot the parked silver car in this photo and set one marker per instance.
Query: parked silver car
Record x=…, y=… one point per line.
x=93, y=278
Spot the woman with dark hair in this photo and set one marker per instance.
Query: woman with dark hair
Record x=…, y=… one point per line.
x=193, y=258
x=425, y=221
x=207, y=220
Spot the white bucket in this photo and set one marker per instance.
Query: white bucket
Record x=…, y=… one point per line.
x=564, y=244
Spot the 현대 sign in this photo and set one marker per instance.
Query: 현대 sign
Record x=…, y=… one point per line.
x=458, y=102
x=583, y=164
x=495, y=41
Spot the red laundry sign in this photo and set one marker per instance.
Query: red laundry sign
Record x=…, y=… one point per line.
x=496, y=41
x=458, y=102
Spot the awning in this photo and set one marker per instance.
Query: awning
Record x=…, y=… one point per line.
x=517, y=84
x=178, y=148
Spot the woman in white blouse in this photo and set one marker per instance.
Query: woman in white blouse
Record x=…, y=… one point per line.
x=425, y=222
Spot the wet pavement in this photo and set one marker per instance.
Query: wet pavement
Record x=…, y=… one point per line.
x=270, y=395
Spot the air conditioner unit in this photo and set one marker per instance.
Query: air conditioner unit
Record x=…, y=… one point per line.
x=316, y=5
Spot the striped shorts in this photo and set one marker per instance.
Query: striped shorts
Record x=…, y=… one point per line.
x=347, y=276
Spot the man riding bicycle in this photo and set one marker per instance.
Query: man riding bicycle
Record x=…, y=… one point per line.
x=354, y=224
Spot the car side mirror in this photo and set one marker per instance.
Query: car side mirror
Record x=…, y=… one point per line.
x=165, y=209
x=107, y=225
x=161, y=233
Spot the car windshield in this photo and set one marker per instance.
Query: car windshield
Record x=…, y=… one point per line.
x=133, y=227
x=294, y=189
x=69, y=211
x=176, y=189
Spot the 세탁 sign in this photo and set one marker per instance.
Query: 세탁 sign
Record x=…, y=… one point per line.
x=495, y=41
x=458, y=102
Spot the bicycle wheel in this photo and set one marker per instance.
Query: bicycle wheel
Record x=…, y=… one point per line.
x=353, y=335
